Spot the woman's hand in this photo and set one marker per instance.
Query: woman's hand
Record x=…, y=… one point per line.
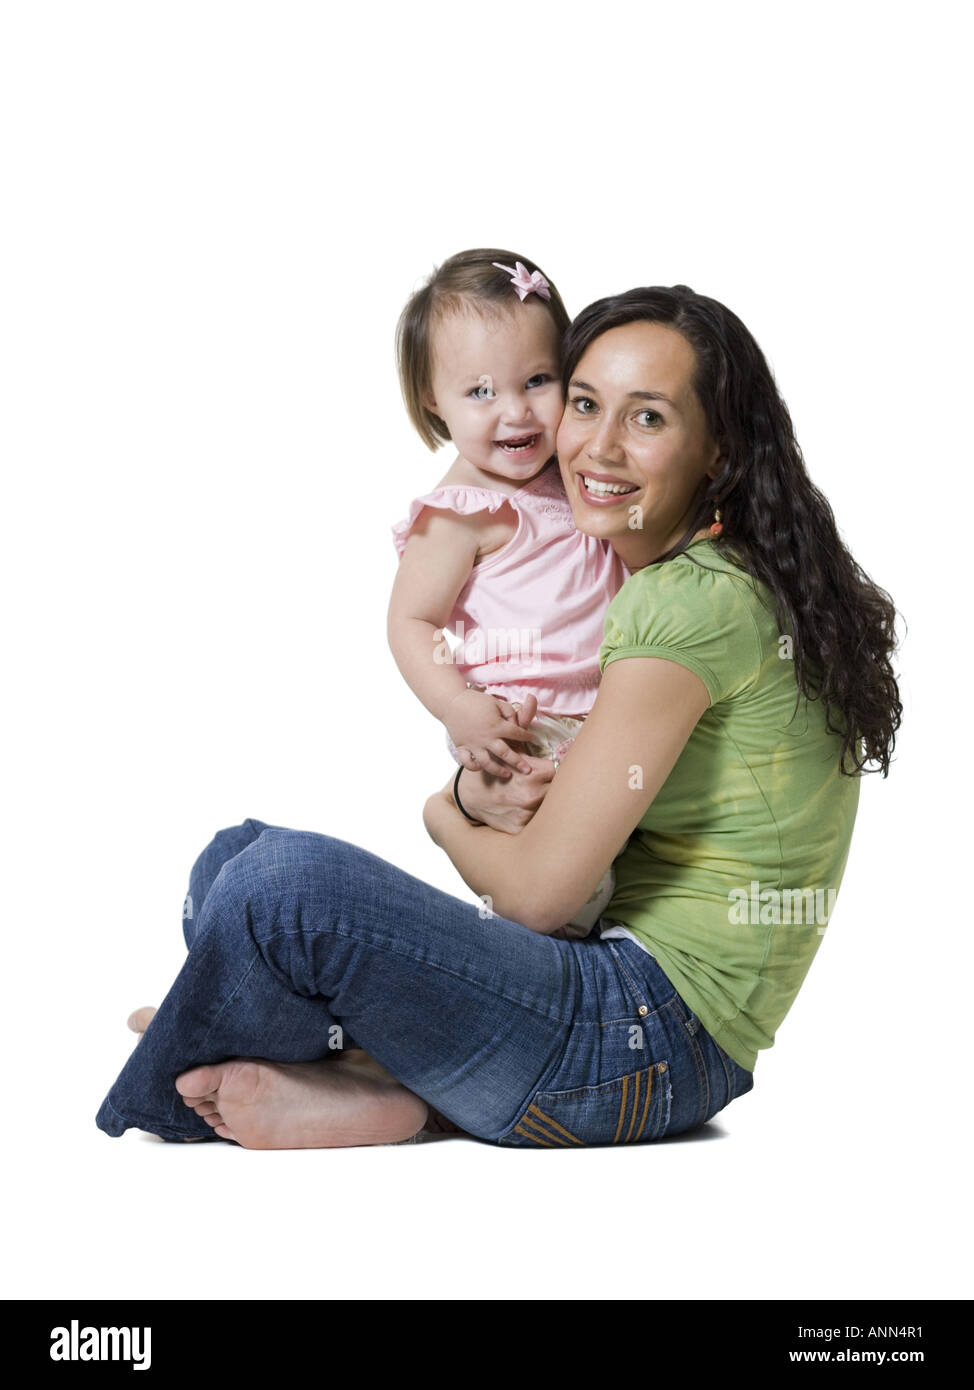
x=506, y=805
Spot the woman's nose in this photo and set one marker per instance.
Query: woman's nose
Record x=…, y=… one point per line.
x=604, y=444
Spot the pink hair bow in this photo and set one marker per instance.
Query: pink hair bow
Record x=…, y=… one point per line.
x=526, y=281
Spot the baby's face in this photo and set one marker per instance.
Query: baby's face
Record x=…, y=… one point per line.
x=496, y=384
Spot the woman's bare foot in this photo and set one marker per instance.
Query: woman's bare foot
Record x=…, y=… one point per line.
x=301, y=1105
x=141, y=1018
x=434, y=1123
x=358, y=1057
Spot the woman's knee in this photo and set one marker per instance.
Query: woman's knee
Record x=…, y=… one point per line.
x=299, y=866
x=288, y=888
x=282, y=897
x=277, y=862
x=225, y=846
x=234, y=838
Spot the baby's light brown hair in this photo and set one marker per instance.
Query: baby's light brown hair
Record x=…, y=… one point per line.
x=469, y=278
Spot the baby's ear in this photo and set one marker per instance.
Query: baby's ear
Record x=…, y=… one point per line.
x=429, y=402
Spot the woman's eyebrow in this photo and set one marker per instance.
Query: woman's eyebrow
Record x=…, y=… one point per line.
x=632, y=395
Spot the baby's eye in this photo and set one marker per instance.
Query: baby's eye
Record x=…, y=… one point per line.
x=580, y=403
x=483, y=392
x=655, y=417
x=541, y=379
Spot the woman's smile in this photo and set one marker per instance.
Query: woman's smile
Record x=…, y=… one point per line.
x=603, y=489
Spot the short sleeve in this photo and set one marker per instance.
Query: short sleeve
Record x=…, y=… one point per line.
x=699, y=618
x=462, y=500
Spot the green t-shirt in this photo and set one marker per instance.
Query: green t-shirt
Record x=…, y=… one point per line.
x=730, y=876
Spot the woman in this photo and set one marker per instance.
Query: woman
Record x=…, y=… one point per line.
x=746, y=685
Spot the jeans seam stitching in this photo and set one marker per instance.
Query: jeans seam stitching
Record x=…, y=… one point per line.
x=703, y=1080
x=639, y=998
x=731, y=1086
x=173, y=1111
x=442, y=969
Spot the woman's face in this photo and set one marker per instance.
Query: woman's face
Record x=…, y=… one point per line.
x=633, y=443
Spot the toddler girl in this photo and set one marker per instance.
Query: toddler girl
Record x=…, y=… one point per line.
x=492, y=553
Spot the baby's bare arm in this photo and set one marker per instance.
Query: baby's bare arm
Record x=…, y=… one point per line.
x=435, y=565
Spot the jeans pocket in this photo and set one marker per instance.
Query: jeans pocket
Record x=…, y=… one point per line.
x=632, y=1109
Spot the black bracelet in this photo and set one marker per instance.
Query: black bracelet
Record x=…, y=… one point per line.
x=456, y=798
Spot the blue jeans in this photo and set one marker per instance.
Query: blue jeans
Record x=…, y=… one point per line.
x=298, y=942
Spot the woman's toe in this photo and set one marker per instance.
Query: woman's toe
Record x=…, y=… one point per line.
x=140, y=1019
x=198, y=1083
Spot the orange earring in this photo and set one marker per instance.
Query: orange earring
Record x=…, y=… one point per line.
x=717, y=528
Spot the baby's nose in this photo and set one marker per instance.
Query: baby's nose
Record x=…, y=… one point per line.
x=517, y=409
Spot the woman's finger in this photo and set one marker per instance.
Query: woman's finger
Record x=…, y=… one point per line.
x=508, y=756
x=469, y=759
x=487, y=762
x=542, y=769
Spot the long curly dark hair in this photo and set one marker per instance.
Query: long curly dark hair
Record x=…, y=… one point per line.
x=776, y=524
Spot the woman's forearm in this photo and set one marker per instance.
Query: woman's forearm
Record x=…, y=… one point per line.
x=645, y=711
x=494, y=865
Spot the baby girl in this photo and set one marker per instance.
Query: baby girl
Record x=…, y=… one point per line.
x=491, y=553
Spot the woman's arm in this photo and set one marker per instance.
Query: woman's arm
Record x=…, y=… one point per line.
x=645, y=711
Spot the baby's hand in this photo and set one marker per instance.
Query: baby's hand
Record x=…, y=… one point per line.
x=479, y=724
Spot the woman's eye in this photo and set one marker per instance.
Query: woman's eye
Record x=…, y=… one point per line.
x=654, y=417
x=580, y=402
x=540, y=380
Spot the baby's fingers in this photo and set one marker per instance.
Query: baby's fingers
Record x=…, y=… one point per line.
x=513, y=731
x=517, y=718
x=527, y=711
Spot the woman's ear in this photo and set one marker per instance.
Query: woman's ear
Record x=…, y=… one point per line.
x=718, y=463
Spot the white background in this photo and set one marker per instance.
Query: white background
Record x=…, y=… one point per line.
x=213, y=214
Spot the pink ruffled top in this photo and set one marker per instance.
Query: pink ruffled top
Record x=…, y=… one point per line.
x=529, y=618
